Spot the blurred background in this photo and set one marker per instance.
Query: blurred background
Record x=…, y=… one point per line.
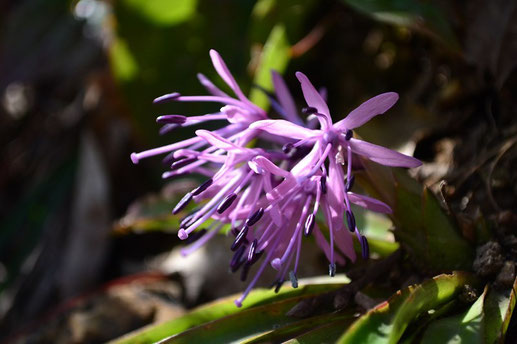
x=86, y=236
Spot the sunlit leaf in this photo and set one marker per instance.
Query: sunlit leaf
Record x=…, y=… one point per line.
x=164, y=12
x=462, y=328
x=498, y=309
x=387, y=322
x=275, y=56
x=301, y=327
x=221, y=309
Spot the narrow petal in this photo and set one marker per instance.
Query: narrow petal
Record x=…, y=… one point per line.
x=225, y=74
x=369, y=203
x=285, y=98
x=367, y=110
x=267, y=165
x=210, y=87
x=284, y=128
x=382, y=155
x=216, y=140
x=312, y=96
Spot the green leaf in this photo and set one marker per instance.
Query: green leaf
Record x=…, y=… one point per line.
x=223, y=308
x=275, y=56
x=164, y=12
x=419, y=15
x=485, y=322
x=499, y=306
x=303, y=326
x=387, y=322
x=462, y=328
x=429, y=235
x=327, y=333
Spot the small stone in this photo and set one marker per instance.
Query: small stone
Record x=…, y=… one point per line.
x=489, y=259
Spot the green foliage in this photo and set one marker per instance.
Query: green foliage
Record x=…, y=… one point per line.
x=275, y=56
x=387, y=322
x=485, y=321
x=223, y=314
x=420, y=15
x=429, y=234
x=164, y=12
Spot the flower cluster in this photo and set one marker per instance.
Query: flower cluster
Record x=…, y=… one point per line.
x=271, y=197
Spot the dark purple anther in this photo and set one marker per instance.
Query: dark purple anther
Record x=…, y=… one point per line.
x=323, y=183
x=332, y=270
x=294, y=280
x=236, y=261
x=350, y=183
x=251, y=252
x=187, y=221
x=365, y=248
x=278, y=286
x=240, y=238
x=166, y=98
x=244, y=271
x=348, y=135
x=202, y=187
x=171, y=119
x=350, y=220
x=309, y=110
x=255, y=217
x=195, y=236
x=182, y=203
x=287, y=148
x=169, y=159
x=309, y=225
x=181, y=163
x=226, y=203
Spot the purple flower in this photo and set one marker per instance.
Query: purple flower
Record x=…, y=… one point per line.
x=185, y=156
x=271, y=208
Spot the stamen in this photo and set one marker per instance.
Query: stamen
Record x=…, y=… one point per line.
x=278, y=286
x=171, y=119
x=251, y=252
x=182, y=203
x=350, y=220
x=309, y=225
x=287, y=147
x=332, y=269
x=167, y=97
x=294, y=280
x=226, y=203
x=309, y=110
x=365, y=248
x=350, y=183
x=197, y=235
x=236, y=261
x=323, y=184
x=244, y=272
x=348, y=135
x=202, y=187
x=239, y=240
x=255, y=217
x=181, y=163
x=168, y=128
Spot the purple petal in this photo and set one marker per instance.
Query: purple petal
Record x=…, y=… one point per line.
x=267, y=165
x=382, y=155
x=225, y=74
x=284, y=128
x=312, y=96
x=369, y=203
x=285, y=98
x=216, y=140
x=367, y=110
x=210, y=87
